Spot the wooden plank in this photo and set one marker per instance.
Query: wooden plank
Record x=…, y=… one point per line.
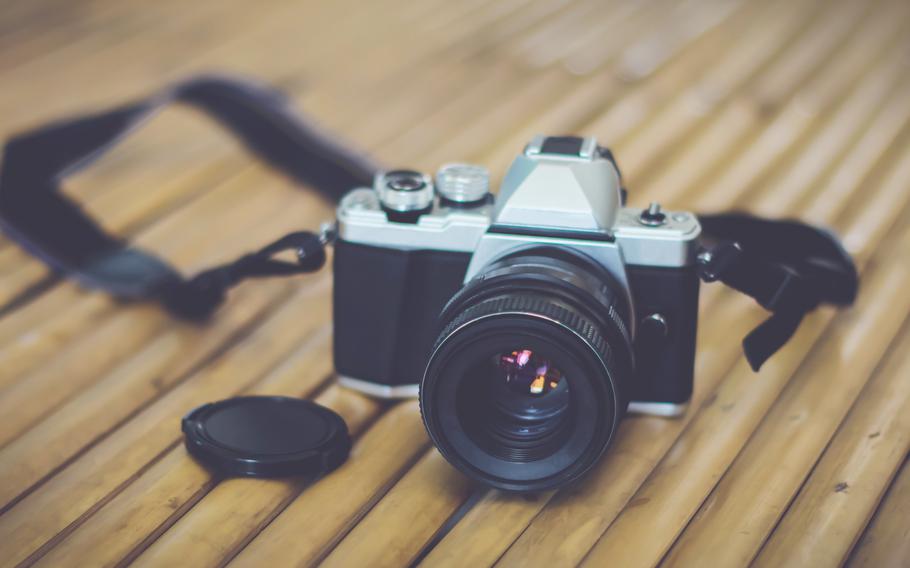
x=654, y=507
x=92, y=56
x=33, y=29
x=24, y=279
x=179, y=237
x=813, y=160
x=662, y=33
x=886, y=541
x=654, y=502
x=840, y=496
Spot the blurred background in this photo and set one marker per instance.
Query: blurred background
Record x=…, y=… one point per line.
x=716, y=97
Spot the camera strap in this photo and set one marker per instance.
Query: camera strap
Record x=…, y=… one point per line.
x=787, y=266
x=35, y=213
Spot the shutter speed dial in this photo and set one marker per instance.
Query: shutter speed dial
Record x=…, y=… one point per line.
x=404, y=191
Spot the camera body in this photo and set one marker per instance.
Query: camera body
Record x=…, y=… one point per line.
x=404, y=248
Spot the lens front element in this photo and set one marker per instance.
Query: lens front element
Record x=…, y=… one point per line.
x=519, y=404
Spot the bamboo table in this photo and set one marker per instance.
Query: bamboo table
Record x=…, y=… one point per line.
x=785, y=108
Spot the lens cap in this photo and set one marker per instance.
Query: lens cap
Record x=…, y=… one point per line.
x=267, y=436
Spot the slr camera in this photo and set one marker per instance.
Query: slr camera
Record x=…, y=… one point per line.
x=528, y=323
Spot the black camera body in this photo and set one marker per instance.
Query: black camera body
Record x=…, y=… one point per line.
x=415, y=259
x=387, y=303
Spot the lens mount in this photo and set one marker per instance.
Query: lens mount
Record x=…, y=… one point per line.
x=529, y=375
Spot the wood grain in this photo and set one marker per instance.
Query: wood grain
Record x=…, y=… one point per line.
x=839, y=497
x=886, y=541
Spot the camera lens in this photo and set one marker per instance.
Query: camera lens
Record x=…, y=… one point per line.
x=530, y=373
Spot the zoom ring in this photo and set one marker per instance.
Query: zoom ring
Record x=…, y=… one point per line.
x=535, y=306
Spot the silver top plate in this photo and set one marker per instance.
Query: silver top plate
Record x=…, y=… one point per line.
x=361, y=219
x=672, y=244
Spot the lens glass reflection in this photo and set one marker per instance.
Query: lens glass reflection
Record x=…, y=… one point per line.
x=515, y=404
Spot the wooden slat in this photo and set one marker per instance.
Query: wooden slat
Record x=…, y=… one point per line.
x=408, y=516
x=886, y=541
x=777, y=139
x=838, y=499
x=612, y=89
x=653, y=504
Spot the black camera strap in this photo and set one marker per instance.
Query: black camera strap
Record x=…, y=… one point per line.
x=787, y=266
x=36, y=214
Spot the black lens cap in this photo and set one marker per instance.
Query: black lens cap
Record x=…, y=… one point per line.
x=267, y=436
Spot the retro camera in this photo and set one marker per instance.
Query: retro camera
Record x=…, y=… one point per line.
x=528, y=325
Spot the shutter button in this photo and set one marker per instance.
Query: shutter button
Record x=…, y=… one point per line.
x=652, y=216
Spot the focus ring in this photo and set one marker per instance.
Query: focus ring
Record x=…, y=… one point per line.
x=538, y=306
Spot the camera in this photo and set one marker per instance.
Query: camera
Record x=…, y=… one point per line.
x=528, y=324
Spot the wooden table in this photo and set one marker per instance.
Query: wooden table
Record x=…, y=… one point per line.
x=786, y=108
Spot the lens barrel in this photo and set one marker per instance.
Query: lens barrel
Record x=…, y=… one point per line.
x=530, y=373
